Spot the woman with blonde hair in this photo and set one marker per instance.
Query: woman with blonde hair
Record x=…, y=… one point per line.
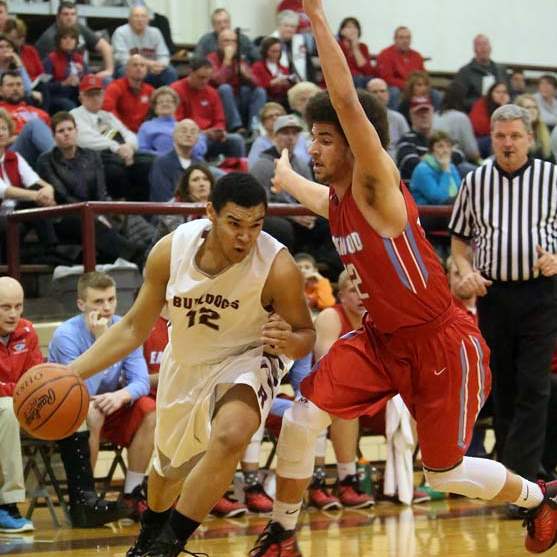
x=299, y=95
x=541, y=147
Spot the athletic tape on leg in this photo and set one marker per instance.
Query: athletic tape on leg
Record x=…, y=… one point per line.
x=301, y=425
x=253, y=450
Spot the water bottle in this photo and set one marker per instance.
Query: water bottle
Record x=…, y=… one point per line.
x=363, y=470
x=376, y=479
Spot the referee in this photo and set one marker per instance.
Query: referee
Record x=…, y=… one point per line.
x=503, y=241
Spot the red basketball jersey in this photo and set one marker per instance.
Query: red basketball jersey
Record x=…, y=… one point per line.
x=345, y=325
x=154, y=346
x=400, y=280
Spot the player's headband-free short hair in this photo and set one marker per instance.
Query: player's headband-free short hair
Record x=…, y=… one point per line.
x=239, y=188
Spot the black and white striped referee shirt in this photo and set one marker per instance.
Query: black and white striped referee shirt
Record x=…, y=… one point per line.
x=506, y=216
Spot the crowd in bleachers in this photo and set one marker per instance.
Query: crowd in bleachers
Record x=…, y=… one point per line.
x=126, y=96
x=87, y=118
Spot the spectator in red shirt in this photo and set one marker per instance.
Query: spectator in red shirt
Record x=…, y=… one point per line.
x=153, y=349
x=271, y=74
x=128, y=97
x=241, y=96
x=396, y=62
x=200, y=102
x=66, y=67
x=16, y=30
x=480, y=115
x=19, y=351
x=356, y=52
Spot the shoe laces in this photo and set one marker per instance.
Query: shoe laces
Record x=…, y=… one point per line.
x=318, y=483
x=268, y=537
x=353, y=483
x=530, y=520
x=257, y=489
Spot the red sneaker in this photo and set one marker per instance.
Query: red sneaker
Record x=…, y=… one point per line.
x=420, y=496
x=321, y=497
x=257, y=501
x=135, y=502
x=351, y=496
x=228, y=507
x=542, y=522
x=275, y=541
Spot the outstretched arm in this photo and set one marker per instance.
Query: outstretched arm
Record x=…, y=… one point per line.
x=310, y=194
x=375, y=170
x=132, y=330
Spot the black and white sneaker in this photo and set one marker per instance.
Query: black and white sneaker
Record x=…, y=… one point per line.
x=147, y=535
x=166, y=545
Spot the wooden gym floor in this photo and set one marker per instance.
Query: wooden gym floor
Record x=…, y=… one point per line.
x=450, y=528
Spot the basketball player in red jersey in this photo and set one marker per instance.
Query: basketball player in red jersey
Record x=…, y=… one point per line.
x=419, y=343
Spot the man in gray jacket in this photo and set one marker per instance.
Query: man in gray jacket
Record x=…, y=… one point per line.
x=480, y=73
x=138, y=37
x=220, y=20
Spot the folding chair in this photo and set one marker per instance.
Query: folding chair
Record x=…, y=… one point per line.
x=38, y=455
x=117, y=461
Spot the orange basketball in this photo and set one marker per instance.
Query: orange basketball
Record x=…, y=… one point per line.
x=50, y=401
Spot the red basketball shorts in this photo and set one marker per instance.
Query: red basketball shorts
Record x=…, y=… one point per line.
x=121, y=426
x=441, y=370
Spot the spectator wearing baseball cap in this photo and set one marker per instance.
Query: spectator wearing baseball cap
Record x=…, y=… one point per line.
x=412, y=146
x=91, y=82
x=420, y=103
x=298, y=233
x=126, y=171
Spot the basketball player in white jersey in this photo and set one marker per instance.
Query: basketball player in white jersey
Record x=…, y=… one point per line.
x=236, y=304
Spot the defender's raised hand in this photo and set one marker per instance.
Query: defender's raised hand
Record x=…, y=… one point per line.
x=283, y=169
x=312, y=6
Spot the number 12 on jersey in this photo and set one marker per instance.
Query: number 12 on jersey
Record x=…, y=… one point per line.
x=203, y=316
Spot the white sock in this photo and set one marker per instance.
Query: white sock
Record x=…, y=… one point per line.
x=286, y=514
x=345, y=469
x=133, y=479
x=531, y=495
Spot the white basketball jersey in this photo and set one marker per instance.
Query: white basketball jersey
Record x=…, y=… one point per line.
x=214, y=317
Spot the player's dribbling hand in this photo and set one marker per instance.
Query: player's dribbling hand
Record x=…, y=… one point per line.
x=473, y=284
x=275, y=335
x=282, y=170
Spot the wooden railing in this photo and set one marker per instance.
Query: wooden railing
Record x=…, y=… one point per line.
x=89, y=210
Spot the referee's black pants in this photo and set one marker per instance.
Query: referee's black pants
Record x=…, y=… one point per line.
x=519, y=323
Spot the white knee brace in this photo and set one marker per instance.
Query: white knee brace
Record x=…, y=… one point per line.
x=253, y=450
x=321, y=445
x=474, y=477
x=301, y=425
